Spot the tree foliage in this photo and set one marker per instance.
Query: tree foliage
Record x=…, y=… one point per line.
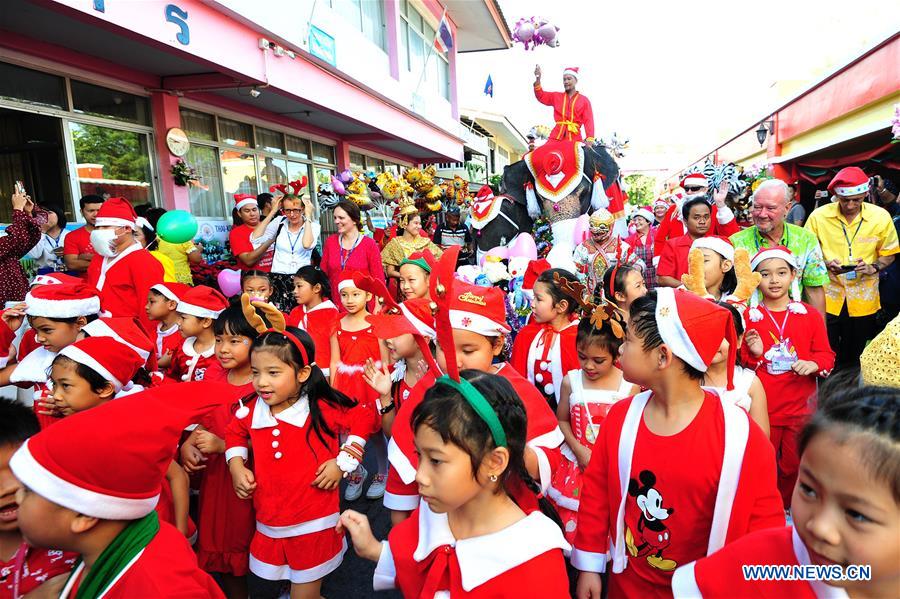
x=119, y=152
x=641, y=189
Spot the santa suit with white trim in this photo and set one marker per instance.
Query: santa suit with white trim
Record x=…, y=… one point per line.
x=104, y=481
x=124, y=280
x=187, y=363
x=653, y=502
x=295, y=537
x=168, y=341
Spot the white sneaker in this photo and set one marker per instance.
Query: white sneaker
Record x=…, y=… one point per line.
x=376, y=489
x=355, y=483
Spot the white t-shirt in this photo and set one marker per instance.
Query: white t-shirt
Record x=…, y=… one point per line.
x=42, y=252
x=290, y=255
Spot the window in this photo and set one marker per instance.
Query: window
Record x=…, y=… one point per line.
x=32, y=87
x=269, y=141
x=357, y=161
x=234, y=133
x=109, y=103
x=273, y=172
x=417, y=48
x=198, y=125
x=207, y=193
x=366, y=16
x=238, y=173
x=323, y=153
x=118, y=162
x=296, y=147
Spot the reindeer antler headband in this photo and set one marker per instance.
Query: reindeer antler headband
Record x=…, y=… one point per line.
x=601, y=314
x=276, y=318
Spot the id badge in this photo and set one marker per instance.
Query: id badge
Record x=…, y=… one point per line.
x=781, y=361
x=851, y=275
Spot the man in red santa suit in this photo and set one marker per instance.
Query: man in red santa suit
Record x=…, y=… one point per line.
x=571, y=110
x=676, y=472
x=672, y=224
x=99, y=501
x=122, y=270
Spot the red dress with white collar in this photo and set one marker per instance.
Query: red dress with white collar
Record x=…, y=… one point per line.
x=721, y=574
x=544, y=356
x=319, y=323
x=31, y=371
x=190, y=365
x=295, y=538
x=168, y=340
x=422, y=558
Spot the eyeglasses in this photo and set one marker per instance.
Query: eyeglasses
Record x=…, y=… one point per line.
x=291, y=210
x=693, y=189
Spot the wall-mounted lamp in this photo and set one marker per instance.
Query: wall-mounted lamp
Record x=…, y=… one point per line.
x=765, y=128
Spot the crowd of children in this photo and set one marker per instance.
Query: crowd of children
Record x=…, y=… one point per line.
x=633, y=442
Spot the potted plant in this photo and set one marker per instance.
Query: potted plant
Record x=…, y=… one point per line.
x=184, y=174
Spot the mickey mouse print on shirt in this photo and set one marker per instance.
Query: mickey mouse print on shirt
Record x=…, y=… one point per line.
x=653, y=536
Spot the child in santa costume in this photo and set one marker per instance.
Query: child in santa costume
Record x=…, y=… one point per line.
x=129, y=332
x=315, y=312
x=544, y=350
x=622, y=284
x=672, y=224
x=415, y=273
x=586, y=396
x=197, y=311
x=478, y=531
x=676, y=472
x=99, y=500
x=226, y=522
x=23, y=568
x=719, y=276
x=57, y=313
x=292, y=424
x=353, y=343
x=162, y=307
x=786, y=341
x=408, y=331
x=845, y=506
x=122, y=270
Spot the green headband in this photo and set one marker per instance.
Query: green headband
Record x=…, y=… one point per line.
x=480, y=405
x=420, y=262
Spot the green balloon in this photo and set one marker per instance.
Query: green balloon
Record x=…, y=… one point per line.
x=177, y=226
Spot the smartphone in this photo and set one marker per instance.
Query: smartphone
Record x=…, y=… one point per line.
x=20, y=187
x=848, y=267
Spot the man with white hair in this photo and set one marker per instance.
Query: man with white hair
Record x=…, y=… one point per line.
x=571, y=110
x=769, y=210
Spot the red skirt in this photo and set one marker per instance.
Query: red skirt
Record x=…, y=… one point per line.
x=226, y=522
x=399, y=496
x=301, y=559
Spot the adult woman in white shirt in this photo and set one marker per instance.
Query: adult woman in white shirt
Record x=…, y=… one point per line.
x=48, y=252
x=296, y=234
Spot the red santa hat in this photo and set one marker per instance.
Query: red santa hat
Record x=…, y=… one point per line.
x=849, y=181
x=243, y=199
x=203, y=302
x=108, y=462
x=720, y=245
x=124, y=330
x=348, y=281
x=415, y=318
x=661, y=202
x=116, y=212
x=171, y=291
x=62, y=301
x=776, y=251
x=484, y=194
x=55, y=278
x=694, y=327
x=481, y=310
x=694, y=180
x=534, y=270
x=573, y=71
x=115, y=362
x=645, y=214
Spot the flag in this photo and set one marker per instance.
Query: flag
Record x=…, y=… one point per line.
x=443, y=39
x=489, y=87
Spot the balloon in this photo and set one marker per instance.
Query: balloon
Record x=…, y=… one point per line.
x=177, y=226
x=337, y=186
x=229, y=282
x=523, y=247
x=501, y=252
x=581, y=229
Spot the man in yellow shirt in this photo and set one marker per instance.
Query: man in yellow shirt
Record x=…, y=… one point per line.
x=858, y=240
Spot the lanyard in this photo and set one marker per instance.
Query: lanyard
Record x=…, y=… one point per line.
x=849, y=239
x=778, y=328
x=296, y=239
x=786, y=238
x=55, y=242
x=18, y=565
x=346, y=259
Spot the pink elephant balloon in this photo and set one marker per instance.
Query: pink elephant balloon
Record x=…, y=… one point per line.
x=582, y=228
x=229, y=282
x=523, y=246
x=501, y=251
x=337, y=186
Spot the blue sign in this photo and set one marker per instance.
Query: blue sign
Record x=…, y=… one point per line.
x=176, y=15
x=321, y=45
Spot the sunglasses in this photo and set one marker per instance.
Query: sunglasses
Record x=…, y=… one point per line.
x=848, y=200
x=693, y=189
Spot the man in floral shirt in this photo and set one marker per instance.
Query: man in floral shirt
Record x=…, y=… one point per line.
x=769, y=210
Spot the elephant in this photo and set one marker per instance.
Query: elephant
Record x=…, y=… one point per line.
x=512, y=186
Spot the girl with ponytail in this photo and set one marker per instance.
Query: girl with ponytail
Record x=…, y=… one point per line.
x=481, y=512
